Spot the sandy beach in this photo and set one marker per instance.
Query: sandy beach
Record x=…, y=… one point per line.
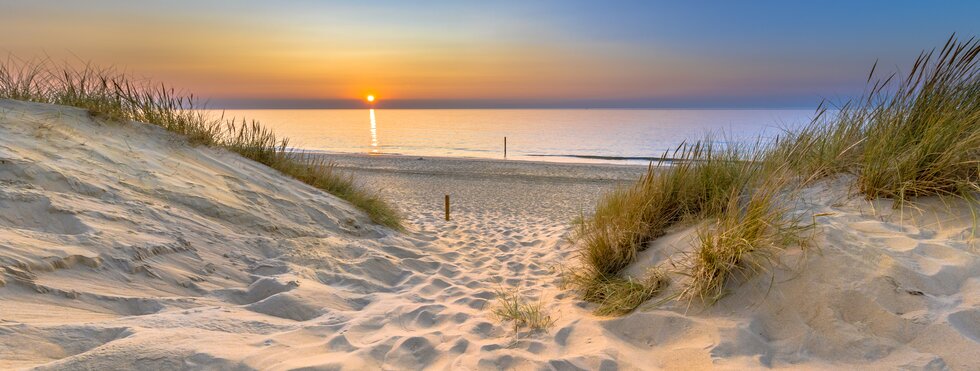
x=164, y=255
x=522, y=189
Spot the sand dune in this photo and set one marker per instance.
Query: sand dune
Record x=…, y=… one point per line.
x=121, y=247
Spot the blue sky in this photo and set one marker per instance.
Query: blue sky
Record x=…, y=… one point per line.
x=493, y=54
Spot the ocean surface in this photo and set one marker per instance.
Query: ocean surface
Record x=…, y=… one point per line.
x=557, y=135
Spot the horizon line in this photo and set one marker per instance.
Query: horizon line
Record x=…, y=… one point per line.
x=734, y=108
x=751, y=103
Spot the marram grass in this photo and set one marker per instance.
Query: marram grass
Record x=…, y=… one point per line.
x=615, y=295
x=924, y=138
x=905, y=138
x=511, y=306
x=696, y=184
x=744, y=240
x=118, y=97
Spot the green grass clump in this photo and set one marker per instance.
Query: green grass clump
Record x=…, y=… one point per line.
x=698, y=183
x=695, y=184
x=511, y=306
x=616, y=295
x=119, y=97
x=742, y=241
x=907, y=138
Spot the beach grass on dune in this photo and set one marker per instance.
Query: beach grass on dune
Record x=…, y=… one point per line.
x=905, y=138
x=925, y=137
x=822, y=149
x=119, y=97
x=696, y=184
x=703, y=183
x=743, y=240
x=615, y=295
x=913, y=136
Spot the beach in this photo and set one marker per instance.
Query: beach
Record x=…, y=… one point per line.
x=166, y=255
x=557, y=192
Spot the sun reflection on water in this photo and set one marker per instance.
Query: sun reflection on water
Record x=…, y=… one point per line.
x=374, y=134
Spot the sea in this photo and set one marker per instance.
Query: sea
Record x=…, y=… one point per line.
x=620, y=136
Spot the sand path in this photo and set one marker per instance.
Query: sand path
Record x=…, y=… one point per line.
x=508, y=230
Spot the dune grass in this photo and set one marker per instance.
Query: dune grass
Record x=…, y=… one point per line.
x=615, y=295
x=511, y=306
x=696, y=184
x=918, y=136
x=906, y=137
x=743, y=240
x=702, y=181
x=827, y=146
x=118, y=97
x=924, y=139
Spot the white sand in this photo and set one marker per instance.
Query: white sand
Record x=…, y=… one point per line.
x=122, y=248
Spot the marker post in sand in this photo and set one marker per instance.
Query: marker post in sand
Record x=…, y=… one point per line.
x=447, y=207
x=505, y=147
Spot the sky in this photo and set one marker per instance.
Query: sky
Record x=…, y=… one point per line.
x=491, y=54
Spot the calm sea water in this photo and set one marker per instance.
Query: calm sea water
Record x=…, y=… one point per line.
x=576, y=135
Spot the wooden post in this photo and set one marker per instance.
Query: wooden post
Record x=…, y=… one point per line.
x=505, y=147
x=447, y=207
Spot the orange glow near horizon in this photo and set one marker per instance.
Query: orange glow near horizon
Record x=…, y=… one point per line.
x=482, y=54
x=229, y=63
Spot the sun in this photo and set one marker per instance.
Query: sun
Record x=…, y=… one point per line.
x=370, y=98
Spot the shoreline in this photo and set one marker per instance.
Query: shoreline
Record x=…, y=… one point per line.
x=538, y=158
x=480, y=187
x=484, y=167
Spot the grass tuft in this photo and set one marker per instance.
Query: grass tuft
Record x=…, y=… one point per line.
x=924, y=139
x=616, y=295
x=511, y=306
x=742, y=241
x=114, y=96
x=697, y=183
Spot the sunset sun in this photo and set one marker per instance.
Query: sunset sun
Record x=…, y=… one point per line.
x=370, y=98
